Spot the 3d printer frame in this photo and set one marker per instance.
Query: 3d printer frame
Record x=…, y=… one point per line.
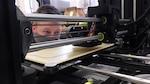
x=10, y=46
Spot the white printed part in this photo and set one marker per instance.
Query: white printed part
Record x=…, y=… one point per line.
x=51, y=64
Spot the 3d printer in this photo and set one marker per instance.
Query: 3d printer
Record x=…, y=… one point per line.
x=117, y=63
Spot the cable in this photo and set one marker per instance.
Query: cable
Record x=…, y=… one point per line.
x=147, y=12
x=140, y=44
x=147, y=27
x=148, y=20
x=132, y=50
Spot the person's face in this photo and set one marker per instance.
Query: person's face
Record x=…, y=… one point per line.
x=48, y=29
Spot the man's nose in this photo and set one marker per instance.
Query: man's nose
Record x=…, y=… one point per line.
x=52, y=33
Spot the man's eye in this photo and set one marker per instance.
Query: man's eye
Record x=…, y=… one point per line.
x=47, y=32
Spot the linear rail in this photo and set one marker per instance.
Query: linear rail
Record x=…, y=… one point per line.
x=124, y=77
x=63, y=18
x=127, y=56
x=62, y=42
